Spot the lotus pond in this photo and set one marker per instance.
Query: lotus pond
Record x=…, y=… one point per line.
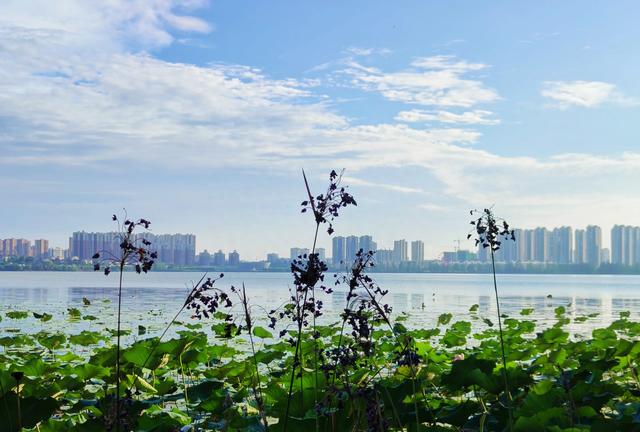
x=569, y=368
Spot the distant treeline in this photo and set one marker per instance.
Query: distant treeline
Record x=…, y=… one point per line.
x=27, y=264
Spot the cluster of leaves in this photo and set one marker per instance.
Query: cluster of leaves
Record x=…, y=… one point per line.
x=489, y=230
x=133, y=249
x=326, y=207
x=201, y=378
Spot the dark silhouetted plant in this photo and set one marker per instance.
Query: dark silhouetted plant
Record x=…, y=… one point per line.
x=489, y=233
x=308, y=273
x=133, y=253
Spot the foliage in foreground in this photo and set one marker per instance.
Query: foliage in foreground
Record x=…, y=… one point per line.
x=454, y=382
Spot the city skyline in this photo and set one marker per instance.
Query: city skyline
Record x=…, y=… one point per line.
x=558, y=245
x=217, y=106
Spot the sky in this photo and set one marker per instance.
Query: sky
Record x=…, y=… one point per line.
x=200, y=117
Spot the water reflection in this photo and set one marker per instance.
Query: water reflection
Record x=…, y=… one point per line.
x=423, y=296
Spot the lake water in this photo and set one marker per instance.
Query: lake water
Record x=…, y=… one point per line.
x=152, y=299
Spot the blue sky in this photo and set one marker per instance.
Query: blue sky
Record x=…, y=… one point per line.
x=200, y=116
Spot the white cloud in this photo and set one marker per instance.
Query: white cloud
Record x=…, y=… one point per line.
x=391, y=187
x=479, y=117
x=433, y=81
x=102, y=24
x=587, y=94
x=366, y=52
x=78, y=96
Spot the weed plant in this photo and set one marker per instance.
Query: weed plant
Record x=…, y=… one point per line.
x=231, y=368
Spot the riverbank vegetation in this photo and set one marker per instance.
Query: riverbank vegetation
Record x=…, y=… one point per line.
x=225, y=364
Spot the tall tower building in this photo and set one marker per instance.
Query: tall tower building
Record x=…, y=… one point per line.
x=41, y=248
x=580, y=250
x=400, y=252
x=352, y=247
x=561, y=245
x=367, y=244
x=593, y=245
x=541, y=245
x=338, y=250
x=417, y=251
x=234, y=258
x=521, y=250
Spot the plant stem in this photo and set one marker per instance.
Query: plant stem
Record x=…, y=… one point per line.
x=155, y=346
x=259, y=397
x=504, y=357
x=122, y=262
x=298, y=342
x=6, y=404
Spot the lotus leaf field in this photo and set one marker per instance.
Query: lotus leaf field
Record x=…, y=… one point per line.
x=204, y=377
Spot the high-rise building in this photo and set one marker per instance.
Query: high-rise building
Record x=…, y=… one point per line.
x=322, y=253
x=384, y=257
x=234, y=258
x=338, y=250
x=10, y=247
x=367, y=244
x=219, y=258
x=57, y=253
x=625, y=245
x=580, y=250
x=541, y=245
x=561, y=245
x=417, y=251
x=400, y=251
x=273, y=258
x=204, y=258
x=521, y=245
x=593, y=245
x=530, y=245
x=179, y=249
x=296, y=252
x=352, y=247
x=41, y=248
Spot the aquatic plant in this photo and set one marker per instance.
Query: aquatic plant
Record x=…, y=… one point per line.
x=133, y=252
x=490, y=233
x=308, y=272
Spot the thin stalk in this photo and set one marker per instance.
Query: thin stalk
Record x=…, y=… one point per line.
x=19, y=408
x=166, y=329
x=504, y=357
x=298, y=342
x=6, y=404
x=259, y=397
x=118, y=347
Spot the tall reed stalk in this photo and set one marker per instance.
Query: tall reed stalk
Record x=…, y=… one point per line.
x=489, y=234
x=309, y=270
x=133, y=252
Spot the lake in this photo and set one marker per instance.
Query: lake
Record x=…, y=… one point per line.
x=152, y=299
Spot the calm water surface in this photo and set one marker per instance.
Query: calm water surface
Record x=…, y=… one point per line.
x=154, y=298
